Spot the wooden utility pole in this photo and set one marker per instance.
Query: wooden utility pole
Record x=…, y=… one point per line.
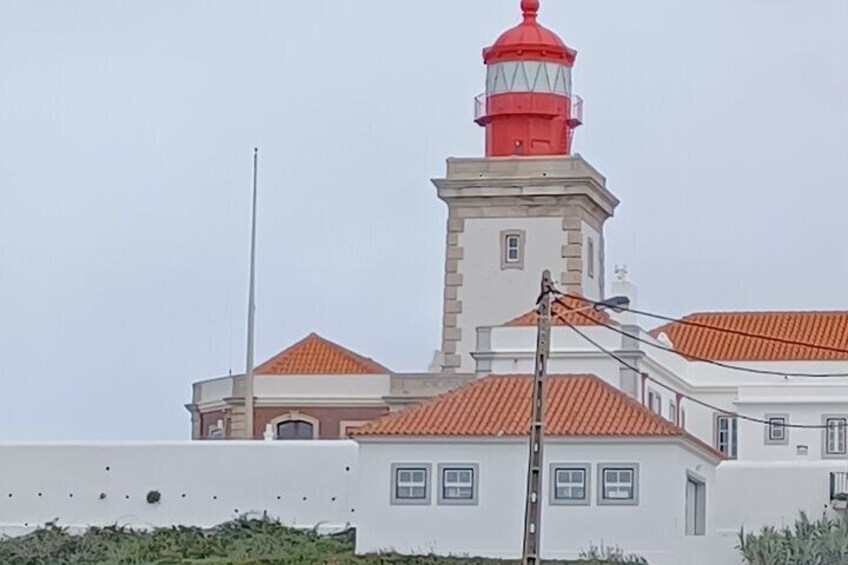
x=533, y=508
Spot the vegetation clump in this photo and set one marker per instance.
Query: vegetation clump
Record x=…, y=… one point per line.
x=820, y=542
x=241, y=542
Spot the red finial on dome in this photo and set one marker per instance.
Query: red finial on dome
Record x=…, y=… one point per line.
x=530, y=9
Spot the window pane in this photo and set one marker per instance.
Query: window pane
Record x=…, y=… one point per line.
x=836, y=435
x=458, y=484
x=531, y=69
x=410, y=483
x=777, y=430
x=618, y=484
x=566, y=73
x=543, y=83
x=559, y=83
x=500, y=79
x=509, y=70
x=570, y=484
x=491, y=72
x=294, y=429
x=521, y=83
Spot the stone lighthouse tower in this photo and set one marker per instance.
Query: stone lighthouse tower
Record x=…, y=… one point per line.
x=529, y=204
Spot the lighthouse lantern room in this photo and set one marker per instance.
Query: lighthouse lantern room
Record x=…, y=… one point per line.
x=528, y=107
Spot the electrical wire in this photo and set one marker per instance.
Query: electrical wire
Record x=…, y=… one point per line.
x=664, y=347
x=688, y=397
x=773, y=338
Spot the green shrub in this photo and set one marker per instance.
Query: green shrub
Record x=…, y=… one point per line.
x=820, y=542
x=599, y=555
x=241, y=542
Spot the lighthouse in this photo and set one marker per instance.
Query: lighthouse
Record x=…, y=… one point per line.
x=529, y=204
x=528, y=107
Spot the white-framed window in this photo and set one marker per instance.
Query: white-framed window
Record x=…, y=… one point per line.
x=726, y=435
x=618, y=484
x=458, y=483
x=590, y=259
x=411, y=483
x=835, y=435
x=512, y=249
x=655, y=401
x=696, y=505
x=570, y=484
x=776, y=431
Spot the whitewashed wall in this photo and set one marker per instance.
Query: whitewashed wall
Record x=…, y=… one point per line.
x=316, y=389
x=490, y=295
x=771, y=493
x=201, y=483
x=493, y=528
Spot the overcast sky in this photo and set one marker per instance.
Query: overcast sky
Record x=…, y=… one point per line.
x=126, y=132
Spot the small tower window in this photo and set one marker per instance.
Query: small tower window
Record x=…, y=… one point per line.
x=512, y=249
x=513, y=246
x=590, y=251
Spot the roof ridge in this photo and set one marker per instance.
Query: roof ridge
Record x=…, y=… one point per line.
x=800, y=335
x=365, y=364
x=762, y=312
x=590, y=407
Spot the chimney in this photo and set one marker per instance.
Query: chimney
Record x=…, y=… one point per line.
x=623, y=286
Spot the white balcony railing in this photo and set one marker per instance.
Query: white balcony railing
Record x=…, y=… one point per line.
x=575, y=119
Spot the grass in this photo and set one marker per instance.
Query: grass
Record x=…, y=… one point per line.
x=241, y=542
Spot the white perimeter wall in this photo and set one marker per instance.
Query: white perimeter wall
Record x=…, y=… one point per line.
x=332, y=484
x=760, y=493
x=201, y=483
x=493, y=528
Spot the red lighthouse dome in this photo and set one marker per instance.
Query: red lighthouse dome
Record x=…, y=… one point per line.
x=528, y=107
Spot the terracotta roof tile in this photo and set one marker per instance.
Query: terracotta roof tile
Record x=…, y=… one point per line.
x=829, y=329
x=562, y=311
x=499, y=405
x=315, y=355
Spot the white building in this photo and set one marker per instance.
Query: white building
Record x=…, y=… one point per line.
x=449, y=476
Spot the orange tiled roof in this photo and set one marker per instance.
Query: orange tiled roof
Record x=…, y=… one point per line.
x=314, y=355
x=828, y=329
x=562, y=311
x=499, y=405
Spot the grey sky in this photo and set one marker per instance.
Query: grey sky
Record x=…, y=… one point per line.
x=126, y=131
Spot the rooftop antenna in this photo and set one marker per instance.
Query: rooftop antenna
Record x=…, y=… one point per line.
x=251, y=312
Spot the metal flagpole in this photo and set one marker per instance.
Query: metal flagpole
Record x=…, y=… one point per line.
x=533, y=508
x=251, y=312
